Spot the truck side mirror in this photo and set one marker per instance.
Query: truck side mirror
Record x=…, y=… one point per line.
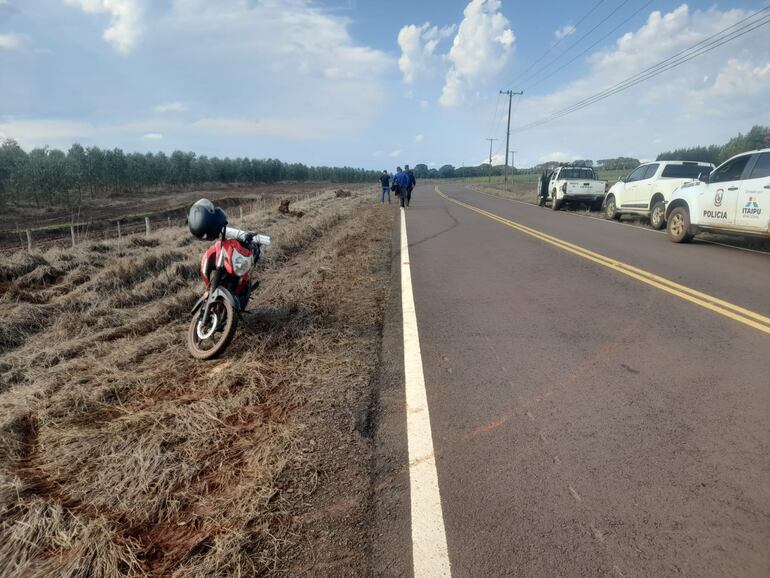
x=704, y=177
x=623, y=179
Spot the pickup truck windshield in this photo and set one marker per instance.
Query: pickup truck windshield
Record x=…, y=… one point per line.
x=578, y=173
x=684, y=171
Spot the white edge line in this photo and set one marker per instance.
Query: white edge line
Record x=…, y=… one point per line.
x=429, y=548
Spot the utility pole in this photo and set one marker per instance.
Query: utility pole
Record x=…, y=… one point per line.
x=491, y=140
x=510, y=94
x=513, y=166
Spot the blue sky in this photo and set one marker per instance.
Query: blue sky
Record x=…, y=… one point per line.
x=372, y=83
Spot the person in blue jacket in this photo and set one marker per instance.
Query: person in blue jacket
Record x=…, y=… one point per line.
x=412, y=182
x=401, y=181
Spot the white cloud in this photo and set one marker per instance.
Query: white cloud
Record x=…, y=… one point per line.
x=564, y=31
x=170, y=107
x=424, y=104
x=740, y=78
x=292, y=128
x=479, y=51
x=293, y=43
x=62, y=132
x=32, y=133
x=419, y=139
x=497, y=159
x=418, y=45
x=322, y=85
x=704, y=101
x=125, y=23
x=395, y=153
x=11, y=41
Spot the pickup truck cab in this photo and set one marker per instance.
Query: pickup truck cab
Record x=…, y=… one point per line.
x=734, y=198
x=570, y=185
x=647, y=189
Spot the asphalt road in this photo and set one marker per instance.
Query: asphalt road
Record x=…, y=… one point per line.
x=585, y=423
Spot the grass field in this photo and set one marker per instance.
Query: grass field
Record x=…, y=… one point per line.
x=95, y=219
x=122, y=456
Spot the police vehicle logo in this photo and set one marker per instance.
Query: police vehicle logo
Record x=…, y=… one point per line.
x=718, y=198
x=752, y=208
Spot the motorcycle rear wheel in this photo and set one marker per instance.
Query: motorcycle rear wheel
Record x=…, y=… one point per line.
x=210, y=341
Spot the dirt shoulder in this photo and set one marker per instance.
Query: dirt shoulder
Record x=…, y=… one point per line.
x=121, y=455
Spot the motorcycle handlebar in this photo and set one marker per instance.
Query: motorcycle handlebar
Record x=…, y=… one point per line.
x=246, y=236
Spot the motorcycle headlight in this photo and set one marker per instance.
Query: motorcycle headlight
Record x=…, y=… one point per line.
x=242, y=264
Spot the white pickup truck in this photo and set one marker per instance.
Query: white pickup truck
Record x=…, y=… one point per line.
x=647, y=189
x=570, y=185
x=734, y=198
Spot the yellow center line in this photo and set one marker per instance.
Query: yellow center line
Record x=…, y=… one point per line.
x=735, y=312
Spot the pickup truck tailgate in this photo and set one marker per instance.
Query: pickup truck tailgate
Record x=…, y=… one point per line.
x=585, y=187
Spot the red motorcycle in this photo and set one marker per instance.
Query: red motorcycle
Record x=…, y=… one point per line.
x=226, y=269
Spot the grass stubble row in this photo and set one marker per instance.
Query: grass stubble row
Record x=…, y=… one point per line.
x=121, y=455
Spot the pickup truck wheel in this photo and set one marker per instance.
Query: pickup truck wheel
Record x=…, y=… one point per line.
x=540, y=201
x=658, y=216
x=679, y=226
x=555, y=203
x=611, y=209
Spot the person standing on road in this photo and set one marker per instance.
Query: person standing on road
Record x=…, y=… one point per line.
x=412, y=182
x=401, y=182
x=385, y=182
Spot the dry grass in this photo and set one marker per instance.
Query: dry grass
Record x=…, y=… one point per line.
x=121, y=455
x=527, y=193
x=518, y=191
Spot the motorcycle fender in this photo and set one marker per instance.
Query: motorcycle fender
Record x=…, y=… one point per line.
x=227, y=296
x=199, y=304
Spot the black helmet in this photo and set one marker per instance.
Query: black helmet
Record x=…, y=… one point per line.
x=205, y=220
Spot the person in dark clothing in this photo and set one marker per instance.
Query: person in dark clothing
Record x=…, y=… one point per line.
x=401, y=182
x=412, y=182
x=385, y=182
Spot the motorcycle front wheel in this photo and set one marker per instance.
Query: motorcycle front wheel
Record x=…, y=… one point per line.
x=209, y=340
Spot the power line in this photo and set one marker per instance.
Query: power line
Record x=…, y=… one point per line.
x=563, y=66
x=578, y=41
x=702, y=43
x=698, y=49
x=547, y=52
x=654, y=71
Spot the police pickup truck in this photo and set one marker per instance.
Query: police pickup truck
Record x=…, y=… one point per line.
x=734, y=198
x=647, y=189
x=570, y=185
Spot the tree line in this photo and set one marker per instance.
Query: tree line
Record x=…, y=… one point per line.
x=422, y=171
x=45, y=177
x=758, y=137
